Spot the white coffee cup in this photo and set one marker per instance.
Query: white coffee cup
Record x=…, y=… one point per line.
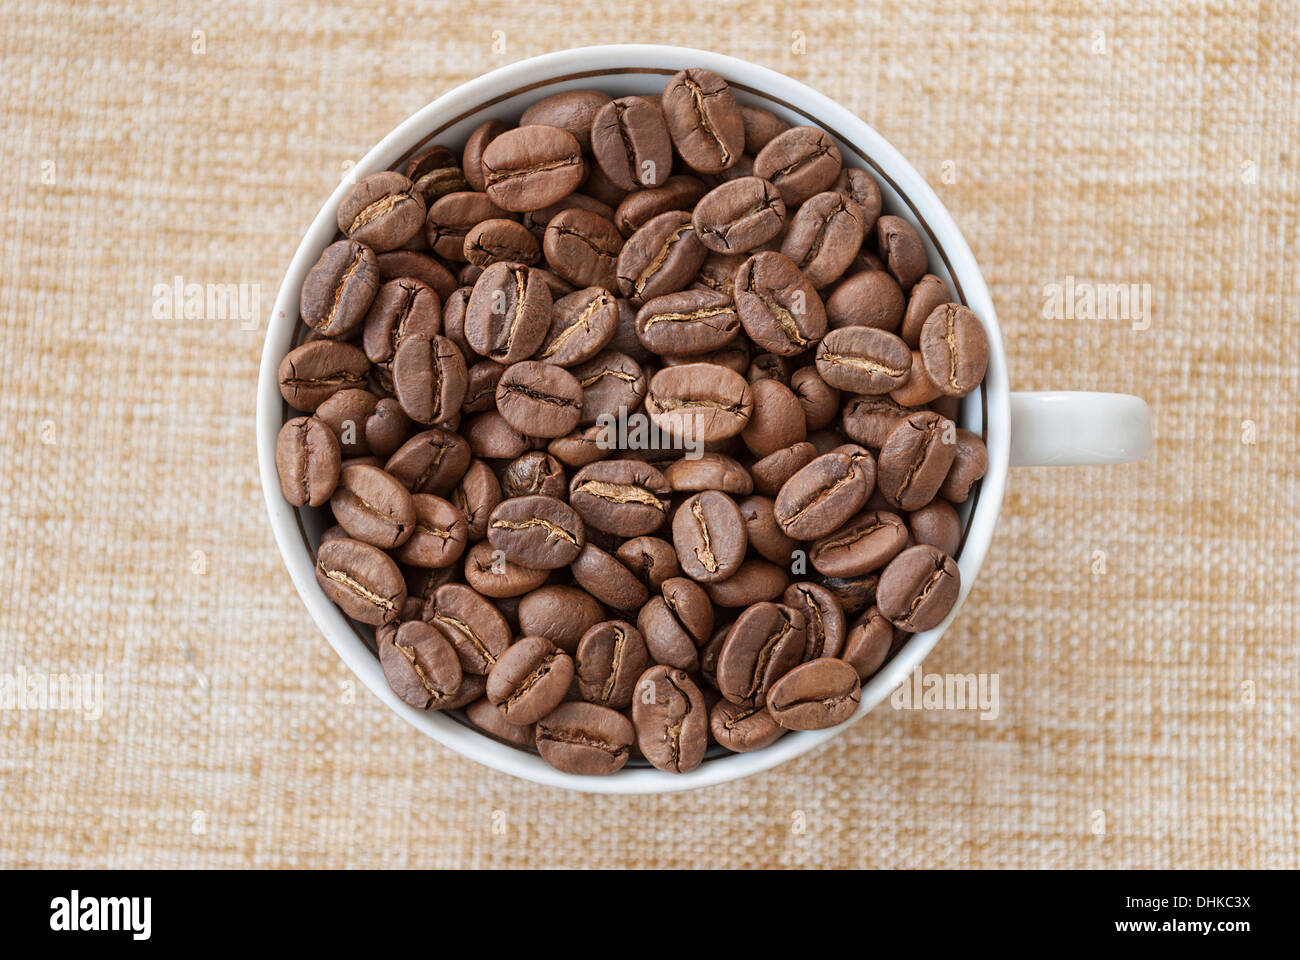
x=1020, y=429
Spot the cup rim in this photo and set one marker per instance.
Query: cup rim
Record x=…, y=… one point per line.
x=927, y=212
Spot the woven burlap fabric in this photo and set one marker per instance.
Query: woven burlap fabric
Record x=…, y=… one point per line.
x=1142, y=619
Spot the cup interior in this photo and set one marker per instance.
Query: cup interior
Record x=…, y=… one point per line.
x=631, y=70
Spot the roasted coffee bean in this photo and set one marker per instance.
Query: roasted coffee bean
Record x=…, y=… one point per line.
x=491, y=574
x=453, y=322
x=383, y=211
x=530, y=680
x=671, y=720
x=472, y=156
x=500, y=241
x=676, y=623
x=855, y=594
x=539, y=399
x=780, y=310
x=339, y=289
x=536, y=531
x=600, y=187
x=709, y=656
x=918, y=389
x=820, y=401
x=471, y=689
x=532, y=167
x=474, y=626
x=871, y=298
x=435, y=172
x=870, y=420
x=719, y=272
x=801, y=163
x=823, y=496
x=439, y=536
x=741, y=729
x=608, y=580
x=947, y=407
x=560, y=614
x=611, y=658
x=487, y=716
x=536, y=220
x=928, y=295
x=815, y=695
x=429, y=378
x=918, y=588
x=451, y=218
x=970, y=463
x=362, y=580
x=771, y=473
x=508, y=313
x=535, y=473
x=572, y=110
x=580, y=448
x=583, y=248
x=651, y=559
x=396, y=264
x=421, y=584
x=860, y=187
x=476, y=496
x=915, y=459
x=430, y=462
x=766, y=643
x=754, y=582
x=372, y=506
x=709, y=535
x=824, y=236
x=662, y=257
x=640, y=207
x=491, y=437
x=403, y=308
x=937, y=524
x=777, y=421
x=610, y=382
x=761, y=127
x=704, y=119
x=863, y=360
x=622, y=497
x=712, y=471
x=955, y=348
x=823, y=618
x=739, y=215
x=585, y=738
x=869, y=642
x=629, y=140
x=420, y=664
x=307, y=459
x=481, y=386
x=687, y=323
x=826, y=441
x=901, y=249
x=582, y=323
x=700, y=402
x=768, y=366
x=865, y=543
x=734, y=357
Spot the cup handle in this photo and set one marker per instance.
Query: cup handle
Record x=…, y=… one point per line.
x=1062, y=428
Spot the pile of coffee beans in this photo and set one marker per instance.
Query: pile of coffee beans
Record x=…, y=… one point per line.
x=637, y=422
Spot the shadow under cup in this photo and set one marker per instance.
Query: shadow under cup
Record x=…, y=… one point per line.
x=508, y=107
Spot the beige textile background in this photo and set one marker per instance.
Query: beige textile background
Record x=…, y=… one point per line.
x=1142, y=620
